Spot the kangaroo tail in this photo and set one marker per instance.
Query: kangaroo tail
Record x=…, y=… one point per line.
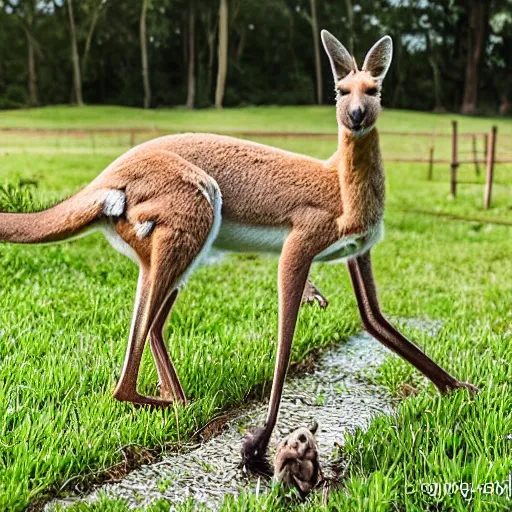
x=64, y=220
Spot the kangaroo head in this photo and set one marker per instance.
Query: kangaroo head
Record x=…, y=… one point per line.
x=358, y=91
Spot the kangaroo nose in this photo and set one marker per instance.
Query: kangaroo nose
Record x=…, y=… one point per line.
x=357, y=116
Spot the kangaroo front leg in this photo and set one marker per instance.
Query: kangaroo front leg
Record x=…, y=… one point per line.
x=292, y=274
x=169, y=382
x=361, y=274
x=312, y=293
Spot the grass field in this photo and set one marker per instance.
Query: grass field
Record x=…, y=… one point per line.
x=294, y=119
x=65, y=312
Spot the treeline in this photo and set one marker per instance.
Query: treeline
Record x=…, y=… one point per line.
x=449, y=54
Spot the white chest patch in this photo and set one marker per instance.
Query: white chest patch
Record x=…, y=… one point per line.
x=352, y=245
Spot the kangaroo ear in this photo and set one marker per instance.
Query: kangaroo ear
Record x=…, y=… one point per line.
x=341, y=61
x=313, y=428
x=379, y=57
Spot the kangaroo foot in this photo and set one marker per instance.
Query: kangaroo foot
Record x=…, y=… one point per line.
x=312, y=294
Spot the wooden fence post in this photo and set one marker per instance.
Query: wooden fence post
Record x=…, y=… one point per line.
x=430, y=174
x=475, y=155
x=489, y=171
x=132, y=139
x=455, y=163
x=431, y=164
x=93, y=141
x=486, y=145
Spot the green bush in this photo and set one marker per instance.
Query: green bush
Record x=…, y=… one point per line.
x=15, y=96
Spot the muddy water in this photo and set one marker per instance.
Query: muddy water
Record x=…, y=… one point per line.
x=337, y=394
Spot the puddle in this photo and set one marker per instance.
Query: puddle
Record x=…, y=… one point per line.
x=336, y=395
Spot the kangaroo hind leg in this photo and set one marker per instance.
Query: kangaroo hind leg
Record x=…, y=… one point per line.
x=168, y=253
x=169, y=384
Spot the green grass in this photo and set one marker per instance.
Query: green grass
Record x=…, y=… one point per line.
x=65, y=313
x=305, y=119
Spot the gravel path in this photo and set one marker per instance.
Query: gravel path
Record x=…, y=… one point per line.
x=336, y=395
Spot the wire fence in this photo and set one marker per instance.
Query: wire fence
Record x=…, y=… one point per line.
x=481, y=150
x=412, y=147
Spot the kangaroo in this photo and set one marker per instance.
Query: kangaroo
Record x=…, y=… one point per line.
x=164, y=203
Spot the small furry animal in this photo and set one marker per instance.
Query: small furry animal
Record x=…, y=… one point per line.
x=296, y=461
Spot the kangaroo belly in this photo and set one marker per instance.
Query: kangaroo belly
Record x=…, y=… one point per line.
x=234, y=236
x=240, y=237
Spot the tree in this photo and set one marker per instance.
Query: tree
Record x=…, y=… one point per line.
x=32, y=73
x=144, y=54
x=26, y=14
x=313, y=22
x=316, y=46
x=477, y=38
x=265, y=45
x=209, y=21
x=222, y=54
x=96, y=11
x=436, y=73
x=350, y=26
x=77, y=77
x=191, y=75
x=500, y=53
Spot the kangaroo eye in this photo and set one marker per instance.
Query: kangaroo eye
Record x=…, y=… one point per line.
x=343, y=92
x=373, y=91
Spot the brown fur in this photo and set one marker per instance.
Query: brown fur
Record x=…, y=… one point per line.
x=57, y=223
x=347, y=191
x=164, y=188
x=296, y=462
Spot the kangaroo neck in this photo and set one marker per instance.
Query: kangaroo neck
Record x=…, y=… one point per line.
x=361, y=176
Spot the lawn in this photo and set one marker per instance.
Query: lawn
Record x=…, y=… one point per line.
x=294, y=119
x=65, y=312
